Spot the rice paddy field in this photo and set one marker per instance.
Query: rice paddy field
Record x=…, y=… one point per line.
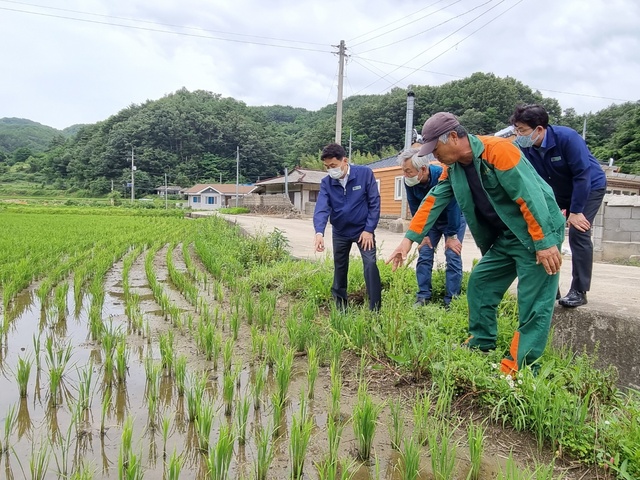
x=141, y=344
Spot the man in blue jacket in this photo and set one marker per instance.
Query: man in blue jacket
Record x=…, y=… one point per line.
x=561, y=157
x=349, y=198
x=419, y=177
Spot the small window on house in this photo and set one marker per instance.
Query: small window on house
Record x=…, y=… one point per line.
x=211, y=200
x=196, y=199
x=397, y=193
x=313, y=196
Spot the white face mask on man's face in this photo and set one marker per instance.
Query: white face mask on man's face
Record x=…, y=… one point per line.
x=335, y=173
x=412, y=181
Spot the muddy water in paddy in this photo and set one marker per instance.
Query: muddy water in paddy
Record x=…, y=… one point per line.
x=39, y=423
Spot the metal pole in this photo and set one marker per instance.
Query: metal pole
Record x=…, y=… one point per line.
x=133, y=169
x=350, y=160
x=237, y=174
x=408, y=134
x=166, y=202
x=341, y=54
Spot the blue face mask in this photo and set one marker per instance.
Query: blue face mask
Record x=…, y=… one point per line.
x=526, y=141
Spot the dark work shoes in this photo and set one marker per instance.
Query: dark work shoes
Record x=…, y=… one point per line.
x=573, y=299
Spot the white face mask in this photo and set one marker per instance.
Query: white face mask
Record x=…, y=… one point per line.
x=411, y=181
x=335, y=173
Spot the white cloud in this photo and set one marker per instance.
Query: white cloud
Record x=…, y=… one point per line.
x=59, y=71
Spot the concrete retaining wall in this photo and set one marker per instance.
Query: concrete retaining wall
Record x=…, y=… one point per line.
x=616, y=231
x=615, y=337
x=269, y=204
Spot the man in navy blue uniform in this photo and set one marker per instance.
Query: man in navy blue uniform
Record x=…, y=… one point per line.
x=349, y=198
x=562, y=158
x=419, y=177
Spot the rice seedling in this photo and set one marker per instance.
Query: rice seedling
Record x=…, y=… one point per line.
x=242, y=417
x=10, y=420
x=445, y=395
x=218, y=292
x=365, y=420
x=283, y=371
x=248, y=306
x=106, y=404
x=234, y=324
x=396, y=427
x=82, y=472
x=339, y=470
x=39, y=462
x=313, y=364
x=257, y=344
x=442, y=447
x=181, y=373
x=334, y=434
x=219, y=458
x=84, y=387
x=336, y=345
x=23, y=371
x=203, y=423
x=227, y=355
x=175, y=466
x=194, y=396
x=300, y=434
x=60, y=293
x=336, y=391
x=166, y=426
x=153, y=394
x=278, y=412
x=36, y=349
x=237, y=374
x=475, y=438
x=259, y=381
x=274, y=348
x=264, y=452
x=421, y=415
x=167, y=353
x=57, y=360
x=410, y=459
x=132, y=469
x=126, y=442
x=122, y=360
x=228, y=390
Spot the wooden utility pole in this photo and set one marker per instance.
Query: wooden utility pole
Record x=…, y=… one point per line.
x=237, y=174
x=133, y=169
x=341, y=58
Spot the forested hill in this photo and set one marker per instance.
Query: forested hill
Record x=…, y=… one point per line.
x=192, y=136
x=21, y=133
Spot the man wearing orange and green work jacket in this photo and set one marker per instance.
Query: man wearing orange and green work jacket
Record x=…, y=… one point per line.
x=516, y=223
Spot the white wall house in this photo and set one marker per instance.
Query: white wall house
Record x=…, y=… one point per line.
x=214, y=196
x=302, y=185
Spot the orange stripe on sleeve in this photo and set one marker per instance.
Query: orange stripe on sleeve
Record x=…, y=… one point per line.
x=420, y=218
x=534, y=228
x=501, y=152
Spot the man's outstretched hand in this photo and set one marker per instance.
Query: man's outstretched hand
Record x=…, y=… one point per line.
x=399, y=255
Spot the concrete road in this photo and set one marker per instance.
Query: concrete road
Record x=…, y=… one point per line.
x=614, y=289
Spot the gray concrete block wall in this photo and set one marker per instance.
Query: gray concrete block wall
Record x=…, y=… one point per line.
x=616, y=228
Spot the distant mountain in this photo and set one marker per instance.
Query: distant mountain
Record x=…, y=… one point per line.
x=20, y=132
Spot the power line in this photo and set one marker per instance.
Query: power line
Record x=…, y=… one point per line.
x=431, y=28
x=408, y=23
x=434, y=45
x=155, y=30
x=161, y=24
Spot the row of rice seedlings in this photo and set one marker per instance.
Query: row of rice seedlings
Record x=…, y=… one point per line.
x=153, y=392
x=259, y=382
x=195, y=395
x=257, y=344
x=421, y=412
x=396, y=427
x=227, y=355
x=209, y=342
x=242, y=418
x=167, y=353
x=365, y=420
x=283, y=372
x=299, y=436
x=475, y=439
x=60, y=294
x=181, y=374
x=192, y=270
x=410, y=456
x=335, y=391
x=182, y=282
x=228, y=390
x=313, y=366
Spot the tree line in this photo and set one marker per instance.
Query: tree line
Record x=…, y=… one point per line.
x=192, y=136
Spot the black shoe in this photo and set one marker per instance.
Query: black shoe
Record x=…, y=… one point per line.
x=573, y=299
x=421, y=302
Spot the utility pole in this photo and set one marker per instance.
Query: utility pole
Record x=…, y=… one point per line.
x=237, y=174
x=133, y=169
x=350, y=160
x=408, y=134
x=584, y=129
x=166, y=206
x=341, y=57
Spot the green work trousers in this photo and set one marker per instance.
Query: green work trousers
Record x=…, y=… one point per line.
x=507, y=259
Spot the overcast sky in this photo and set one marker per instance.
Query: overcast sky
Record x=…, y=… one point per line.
x=64, y=62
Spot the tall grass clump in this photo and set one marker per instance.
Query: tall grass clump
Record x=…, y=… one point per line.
x=365, y=420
